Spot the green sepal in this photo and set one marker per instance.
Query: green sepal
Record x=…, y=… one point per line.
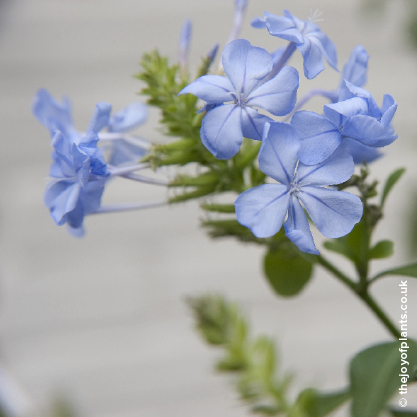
x=383, y=249
x=197, y=193
x=206, y=179
x=312, y=403
x=218, y=208
x=389, y=184
x=374, y=376
x=248, y=153
x=175, y=146
x=287, y=271
x=177, y=158
x=228, y=228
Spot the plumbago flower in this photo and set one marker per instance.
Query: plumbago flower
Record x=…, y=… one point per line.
x=122, y=148
x=356, y=118
x=304, y=35
x=264, y=209
x=78, y=170
x=231, y=100
x=74, y=190
x=355, y=72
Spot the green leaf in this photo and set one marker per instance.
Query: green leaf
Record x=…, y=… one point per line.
x=407, y=270
x=391, y=181
x=383, y=249
x=403, y=413
x=311, y=403
x=349, y=246
x=374, y=375
x=287, y=272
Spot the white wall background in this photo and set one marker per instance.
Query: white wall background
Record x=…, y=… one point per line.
x=102, y=320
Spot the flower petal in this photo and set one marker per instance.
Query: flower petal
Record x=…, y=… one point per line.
x=262, y=209
x=258, y=23
x=297, y=228
x=221, y=131
x=128, y=118
x=213, y=89
x=368, y=131
x=253, y=123
x=283, y=27
x=88, y=145
x=277, y=95
x=339, y=167
x=338, y=112
x=389, y=107
x=53, y=115
x=61, y=197
x=316, y=47
x=319, y=137
x=278, y=155
x=127, y=151
x=100, y=118
x=360, y=152
x=245, y=65
x=90, y=196
x=333, y=212
x=355, y=69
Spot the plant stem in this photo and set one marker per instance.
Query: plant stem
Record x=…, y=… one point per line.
x=381, y=315
x=340, y=275
x=361, y=292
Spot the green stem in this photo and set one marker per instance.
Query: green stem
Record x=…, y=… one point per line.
x=371, y=303
x=361, y=292
x=339, y=274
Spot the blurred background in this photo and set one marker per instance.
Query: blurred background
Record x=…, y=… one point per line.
x=101, y=322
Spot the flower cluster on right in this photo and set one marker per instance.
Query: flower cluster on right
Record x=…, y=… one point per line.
x=313, y=152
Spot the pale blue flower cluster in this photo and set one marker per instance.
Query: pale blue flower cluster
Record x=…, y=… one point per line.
x=79, y=169
x=307, y=156
x=264, y=208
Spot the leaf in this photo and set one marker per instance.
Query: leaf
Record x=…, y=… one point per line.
x=383, y=249
x=312, y=403
x=391, y=181
x=374, y=375
x=287, y=273
x=407, y=270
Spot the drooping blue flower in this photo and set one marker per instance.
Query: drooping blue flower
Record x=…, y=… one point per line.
x=74, y=190
x=356, y=118
x=78, y=168
x=232, y=100
x=57, y=117
x=307, y=37
x=53, y=115
x=265, y=208
x=356, y=68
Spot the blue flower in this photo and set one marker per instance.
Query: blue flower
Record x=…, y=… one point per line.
x=79, y=170
x=74, y=191
x=313, y=44
x=265, y=208
x=57, y=117
x=356, y=120
x=356, y=67
x=231, y=100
